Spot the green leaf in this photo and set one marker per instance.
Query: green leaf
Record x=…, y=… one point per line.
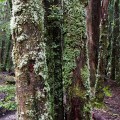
x=2, y=0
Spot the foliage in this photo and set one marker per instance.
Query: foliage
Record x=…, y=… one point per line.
x=107, y=91
x=8, y=102
x=5, y=41
x=2, y=0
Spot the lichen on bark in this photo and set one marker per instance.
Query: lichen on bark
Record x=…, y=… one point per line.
x=29, y=60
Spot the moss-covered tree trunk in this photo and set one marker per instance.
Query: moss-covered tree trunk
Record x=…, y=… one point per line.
x=29, y=59
x=102, y=53
x=53, y=24
x=101, y=68
x=80, y=90
x=76, y=73
x=115, y=43
x=2, y=55
x=117, y=35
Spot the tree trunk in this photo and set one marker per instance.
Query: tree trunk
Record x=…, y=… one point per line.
x=2, y=55
x=93, y=33
x=102, y=54
x=29, y=60
x=117, y=40
x=80, y=90
x=7, y=58
x=115, y=58
x=53, y=24
x=110, y=37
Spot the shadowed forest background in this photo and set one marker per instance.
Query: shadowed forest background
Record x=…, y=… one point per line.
x=59, y=59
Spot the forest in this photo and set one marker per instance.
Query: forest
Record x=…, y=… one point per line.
x=59, y=60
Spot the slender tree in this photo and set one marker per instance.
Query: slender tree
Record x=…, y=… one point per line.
x=117, y=34
x=115, y=45
x=93, y=33
x=5, y=42
x=2, y=55
x=102, y=52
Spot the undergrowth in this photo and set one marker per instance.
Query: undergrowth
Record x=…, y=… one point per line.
x=8, y=102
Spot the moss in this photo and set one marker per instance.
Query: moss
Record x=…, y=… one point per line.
x=85, y=73
x=77, y=92
x=74, y=33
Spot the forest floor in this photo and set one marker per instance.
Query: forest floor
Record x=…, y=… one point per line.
x=6, y=114
x=111, y=112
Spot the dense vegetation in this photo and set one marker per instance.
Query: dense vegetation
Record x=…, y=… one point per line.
x=63, y=54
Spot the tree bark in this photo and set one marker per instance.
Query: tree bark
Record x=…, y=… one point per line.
x=115, y=46
x=93, y=33
x=102, y=54
x=53, y=24
x=29, y=60
x=2, y=55
x=80, y=90
x=117, y=40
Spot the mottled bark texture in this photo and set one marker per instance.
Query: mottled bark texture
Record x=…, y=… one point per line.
x=29, y=60
x=53, y=24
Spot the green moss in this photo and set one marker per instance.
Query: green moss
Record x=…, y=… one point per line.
x=74, y=29
x=85, y=73
x=77, y=92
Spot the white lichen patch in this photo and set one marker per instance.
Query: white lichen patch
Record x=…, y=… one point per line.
x=31, y=113
x=14, y=55
x=23, y=61
x=22, y=37
x=33, y=54
x=13, y=24
x=40, y=94
x=22, y=12
x=22, y=113
x=17, y=7
x=40, y=65
x=44, y=116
